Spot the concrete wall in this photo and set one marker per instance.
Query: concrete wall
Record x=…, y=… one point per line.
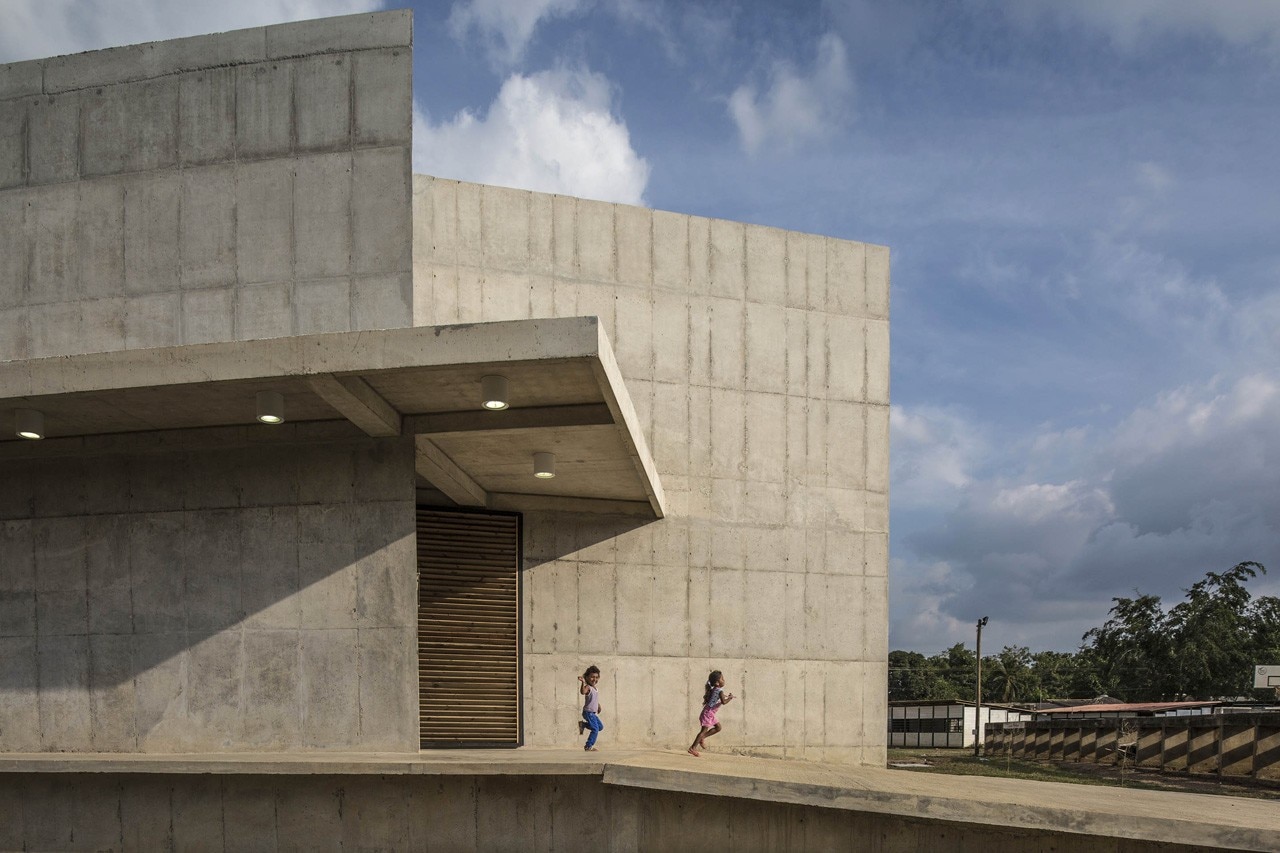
x=225, y=590
x=758, y=362
x=103, y=811
x=246, y=185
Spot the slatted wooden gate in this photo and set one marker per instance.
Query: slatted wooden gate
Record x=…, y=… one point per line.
x=469, y=628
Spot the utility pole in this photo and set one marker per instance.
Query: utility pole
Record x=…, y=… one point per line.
x=977, y=704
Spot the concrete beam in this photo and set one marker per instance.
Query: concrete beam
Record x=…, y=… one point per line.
x=433, y=465
x=558, y=503
x=358, y=403
x=533, y=417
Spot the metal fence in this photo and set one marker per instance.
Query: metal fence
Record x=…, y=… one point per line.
x=1228, y=745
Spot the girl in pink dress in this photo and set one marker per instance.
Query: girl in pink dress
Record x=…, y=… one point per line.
x=711, y=702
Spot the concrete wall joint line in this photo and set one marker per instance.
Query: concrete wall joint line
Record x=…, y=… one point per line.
x=180, y=70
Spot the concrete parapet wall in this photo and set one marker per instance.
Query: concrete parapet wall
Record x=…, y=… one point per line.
x=758, y=363
x=106, y=811
x=1222, y=744
x=215, y=596
x=245, y=185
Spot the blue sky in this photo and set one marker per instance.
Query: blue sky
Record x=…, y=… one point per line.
x=1081, y=199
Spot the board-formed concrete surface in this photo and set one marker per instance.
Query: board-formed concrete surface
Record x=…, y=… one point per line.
x=243, y=185
x=620, y=800
x=758, y=362
x=240, y=595
x=257, y=185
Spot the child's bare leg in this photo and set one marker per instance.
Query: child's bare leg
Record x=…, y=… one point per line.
x=697, y=741
x=706, y=733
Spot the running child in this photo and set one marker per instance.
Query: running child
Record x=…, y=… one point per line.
x=590, y=706
x=712, y=699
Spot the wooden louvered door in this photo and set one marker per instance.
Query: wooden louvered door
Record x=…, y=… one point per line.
x=469, y=628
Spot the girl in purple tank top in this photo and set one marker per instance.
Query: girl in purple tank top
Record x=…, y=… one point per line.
x=712, y=699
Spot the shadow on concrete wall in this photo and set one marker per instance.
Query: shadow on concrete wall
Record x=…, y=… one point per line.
x=246, y=559
x=586, y=537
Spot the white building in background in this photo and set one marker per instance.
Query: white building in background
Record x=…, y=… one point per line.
x=944, y=724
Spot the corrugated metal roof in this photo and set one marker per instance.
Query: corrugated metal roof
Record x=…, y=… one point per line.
x=910, y=703
x=1130, y=707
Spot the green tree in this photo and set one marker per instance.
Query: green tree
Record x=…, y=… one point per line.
x=909, y=676
x=1212, y=634
x=1007, y=677
x=1131, y=653
x=1205, y=647
x=1055, y=676
x=956, y=668
x=1084, y=681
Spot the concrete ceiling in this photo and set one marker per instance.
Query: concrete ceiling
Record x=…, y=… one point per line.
x=565, y=394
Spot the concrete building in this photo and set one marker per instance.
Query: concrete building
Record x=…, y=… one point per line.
x=193, y=230
x=221, y=634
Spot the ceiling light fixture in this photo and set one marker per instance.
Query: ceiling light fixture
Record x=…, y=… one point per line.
x=28, y=423
x=544, y=465
x=493, y=392
x=271, y=407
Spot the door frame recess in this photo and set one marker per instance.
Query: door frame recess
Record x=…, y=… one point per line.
x=424, y=744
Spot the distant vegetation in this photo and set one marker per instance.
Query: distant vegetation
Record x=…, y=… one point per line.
x=1205, y=647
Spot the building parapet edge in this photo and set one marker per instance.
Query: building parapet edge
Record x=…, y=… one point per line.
x=131, y=63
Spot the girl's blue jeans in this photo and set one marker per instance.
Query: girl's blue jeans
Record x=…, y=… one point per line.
x=593, y=723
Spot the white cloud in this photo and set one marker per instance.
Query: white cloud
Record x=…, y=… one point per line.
x=933, y=455
x=1179, y=487
x=39, y=28
x=1133, y=22
x=553, y=131
x=1035, y=503
x=505, y=26
x=795, y=108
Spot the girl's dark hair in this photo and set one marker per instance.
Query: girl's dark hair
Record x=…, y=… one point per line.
x=591, y=670
x=711, y=685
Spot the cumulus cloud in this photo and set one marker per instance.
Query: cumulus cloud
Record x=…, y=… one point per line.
x=796, y=108
x=38, y=28
x=1181, y=486
x=554, y=131
x=934, y=453
x=505, y=26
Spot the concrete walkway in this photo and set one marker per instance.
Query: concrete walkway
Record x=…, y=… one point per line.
x=1203, y=820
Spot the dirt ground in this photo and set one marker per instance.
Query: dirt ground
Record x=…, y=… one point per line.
x=1234, y=787
x=964, y=763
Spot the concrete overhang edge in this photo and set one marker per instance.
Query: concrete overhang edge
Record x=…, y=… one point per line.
x=350, y=354
x=609, y=376
x=339, y=353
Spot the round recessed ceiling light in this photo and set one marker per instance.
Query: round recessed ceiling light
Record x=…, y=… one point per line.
x=493, y=392
x=270, y=407
x=28, y=423
x=544, y=465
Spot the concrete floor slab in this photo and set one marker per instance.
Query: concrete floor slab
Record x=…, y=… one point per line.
x=1211, y=822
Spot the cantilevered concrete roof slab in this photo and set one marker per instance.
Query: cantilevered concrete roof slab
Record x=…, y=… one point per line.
x=565, y=392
